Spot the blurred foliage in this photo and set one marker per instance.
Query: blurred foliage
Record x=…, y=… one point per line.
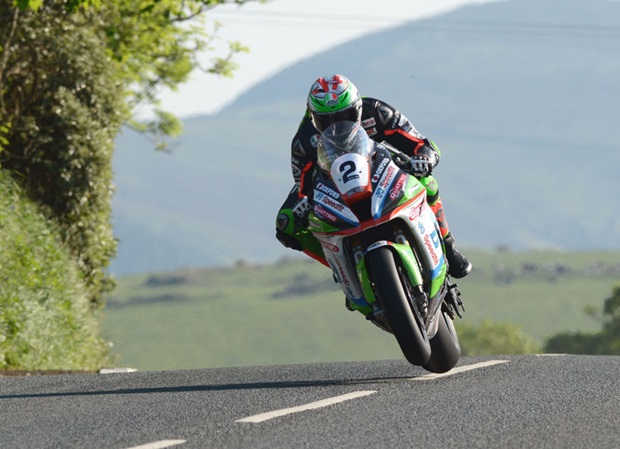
x=71, y=73
x=46, y=321
x=492, y=338
x=606, y=341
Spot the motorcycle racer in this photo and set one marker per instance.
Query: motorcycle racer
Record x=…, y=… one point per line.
x=335, y=98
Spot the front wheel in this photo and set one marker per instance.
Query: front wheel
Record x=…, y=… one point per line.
x=408, y=328
x=445, y=347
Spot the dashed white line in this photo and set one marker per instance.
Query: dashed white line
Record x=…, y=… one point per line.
x=460, y=369
x=311, y=406
x=159, y=444
x=346, y=397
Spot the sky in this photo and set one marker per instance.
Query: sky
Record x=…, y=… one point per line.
x=282, y=32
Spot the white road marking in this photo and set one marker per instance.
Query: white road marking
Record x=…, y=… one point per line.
x=159, y=444
x=346, y=397
x=460, y=369
x=117, y=370
x=311, y=406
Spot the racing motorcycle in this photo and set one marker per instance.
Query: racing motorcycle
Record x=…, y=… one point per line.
x=383, y=244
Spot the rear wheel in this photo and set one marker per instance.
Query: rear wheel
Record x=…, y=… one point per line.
x=406, y=325
x=445, y=347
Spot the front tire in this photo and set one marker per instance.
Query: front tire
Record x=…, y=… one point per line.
x=445, y=347
x=406, y=326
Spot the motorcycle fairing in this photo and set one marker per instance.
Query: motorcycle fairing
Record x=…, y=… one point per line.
x=330, y=209
x=388, y=184
x=394, y=195
x=427, y=234
x=351, y=174
x=390, y=187
x=337, y=259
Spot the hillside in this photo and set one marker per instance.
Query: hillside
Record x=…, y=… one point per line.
x=293, y=312
x=521, y=96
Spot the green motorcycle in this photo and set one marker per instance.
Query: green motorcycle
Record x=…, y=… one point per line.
x=383, y=244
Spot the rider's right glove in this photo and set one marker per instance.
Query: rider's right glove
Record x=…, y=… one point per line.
x=300, y=211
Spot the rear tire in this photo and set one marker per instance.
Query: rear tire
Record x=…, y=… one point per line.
x=408, y=330
x=445, y=347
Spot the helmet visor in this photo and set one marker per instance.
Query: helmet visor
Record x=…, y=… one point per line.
x=322, y=121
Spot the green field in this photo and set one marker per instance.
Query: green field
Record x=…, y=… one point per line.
x=293, y=312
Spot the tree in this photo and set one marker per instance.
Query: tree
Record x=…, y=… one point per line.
x=71, y=73
x=489, y=338
x=606, y=341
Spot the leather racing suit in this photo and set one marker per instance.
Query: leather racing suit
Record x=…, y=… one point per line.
x=382, y=122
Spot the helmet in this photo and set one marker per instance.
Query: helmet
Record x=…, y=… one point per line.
x=333, y=99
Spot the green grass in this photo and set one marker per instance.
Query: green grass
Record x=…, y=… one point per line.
x=292, y=311
x=542, y=299
x=45, y=316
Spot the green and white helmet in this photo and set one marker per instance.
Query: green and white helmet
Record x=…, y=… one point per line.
x=333, y=99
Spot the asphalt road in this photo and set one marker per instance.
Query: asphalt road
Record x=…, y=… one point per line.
x=499, y=402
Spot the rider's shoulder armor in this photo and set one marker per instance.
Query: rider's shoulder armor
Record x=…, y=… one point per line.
x=303, y=146
x=384, y=122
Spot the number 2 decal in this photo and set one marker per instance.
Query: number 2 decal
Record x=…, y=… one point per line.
x=348, y=171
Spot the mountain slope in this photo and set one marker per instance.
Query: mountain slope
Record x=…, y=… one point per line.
x=521, y=96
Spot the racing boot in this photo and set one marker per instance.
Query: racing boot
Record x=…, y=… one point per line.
x=458, y=263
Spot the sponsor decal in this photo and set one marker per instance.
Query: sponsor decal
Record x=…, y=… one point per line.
x=332, y=204
x=387, y=177
x=415, y=213
x=398, y=186
x=371, y=132
x=431, y=248
x=395, y=121
x=343, y=277
x=369, y=122
x=404, y=122
x=380, y=168
x=355, y=190
x=328, y=190
x=421, y=227
x=330, y=247
x=435, y=239
x=319, y=211
x=379, y=192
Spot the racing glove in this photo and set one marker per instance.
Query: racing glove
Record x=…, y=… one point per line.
x=300, y=211
x=422, y=163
